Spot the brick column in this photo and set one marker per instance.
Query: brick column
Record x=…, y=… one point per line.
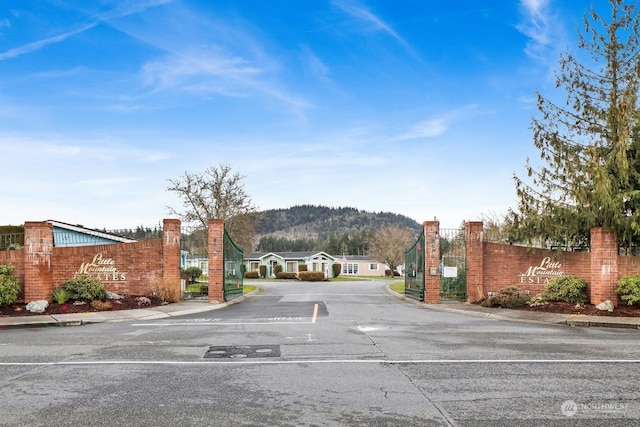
x=431, y=262
x=604, y=266
x=171, y=254
x=475, y=261
x=215, y=249
x=38, y=272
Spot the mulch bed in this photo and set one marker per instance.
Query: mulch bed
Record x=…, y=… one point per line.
x=128, y=302
x=622, y=310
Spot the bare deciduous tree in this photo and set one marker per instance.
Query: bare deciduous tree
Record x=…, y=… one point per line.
x=217, y=193
x=389, y=243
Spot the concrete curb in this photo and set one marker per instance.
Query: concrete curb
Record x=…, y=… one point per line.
x=527, y=316
x=182, y=308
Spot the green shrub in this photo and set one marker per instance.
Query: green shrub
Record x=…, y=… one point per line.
x=629, y=289
x=311, y=276
x=566, y=288
x=285, y=275
x=251, y=275
x=337, y=269
x=9, y=286
x=61, y=296
x=193, y=273
x=510, y=297
x=85, y=288
x=277, y=269
x=263, y=271
x=302, y=267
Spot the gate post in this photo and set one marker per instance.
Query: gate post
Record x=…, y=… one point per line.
x=604, y=266
x=171, y=254
x=215, y=249
x=431, y=262
x=38, y=251
x=475, y=261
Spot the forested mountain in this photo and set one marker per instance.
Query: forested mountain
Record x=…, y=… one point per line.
x=333, y=230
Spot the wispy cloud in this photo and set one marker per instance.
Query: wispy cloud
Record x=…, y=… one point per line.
x=314, y=65
x=202, y=71
x=125, y=10
x=426, y=129
x=37, y=45
x=363, y=14
x=539, y=25
x=436, y=126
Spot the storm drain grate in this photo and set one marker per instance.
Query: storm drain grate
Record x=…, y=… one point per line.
x=242, y=351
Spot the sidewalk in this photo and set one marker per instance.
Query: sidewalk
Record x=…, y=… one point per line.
x=528, y=316
x=76, y=319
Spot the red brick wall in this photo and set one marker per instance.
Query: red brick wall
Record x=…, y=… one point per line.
x=506, y=265
x=123, y=268
x=628, y=265
x=15, y=258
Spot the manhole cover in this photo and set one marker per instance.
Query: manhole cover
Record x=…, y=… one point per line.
x=242, y=351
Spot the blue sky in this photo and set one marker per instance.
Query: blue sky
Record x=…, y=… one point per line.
x=418, y=107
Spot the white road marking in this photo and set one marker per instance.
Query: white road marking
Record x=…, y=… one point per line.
x=324, y=361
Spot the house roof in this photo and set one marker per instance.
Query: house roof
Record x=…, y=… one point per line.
x=90, y=232
x=287, y=255
x=354, y=258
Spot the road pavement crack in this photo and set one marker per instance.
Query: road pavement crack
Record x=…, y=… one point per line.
x=445, y=415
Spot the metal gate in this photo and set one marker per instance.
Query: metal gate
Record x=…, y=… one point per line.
x=453, y=264
x=233, y=257
x=414, y=270
x=194, y=258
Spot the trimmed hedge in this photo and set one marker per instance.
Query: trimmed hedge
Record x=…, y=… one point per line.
x=285, y=275
x=311, y=276
x=251, y=275
x=510, y=297
x=568, y=288
x=85, y=288
x=302, y=267
x=9, y=286
x=629, y=289
x=336, y=269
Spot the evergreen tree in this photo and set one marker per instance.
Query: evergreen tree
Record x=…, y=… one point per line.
x=589, y=175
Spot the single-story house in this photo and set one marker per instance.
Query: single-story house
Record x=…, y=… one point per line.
x=361, y=265
x=315, y=261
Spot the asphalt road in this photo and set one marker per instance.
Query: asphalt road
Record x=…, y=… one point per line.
x=324, y=354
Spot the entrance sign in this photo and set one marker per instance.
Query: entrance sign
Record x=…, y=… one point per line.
x=543, y=273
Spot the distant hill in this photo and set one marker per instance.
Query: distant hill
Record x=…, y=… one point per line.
x=308, y=221
x=308, y=227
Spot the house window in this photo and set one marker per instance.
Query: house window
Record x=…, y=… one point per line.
x=350, y=268
x=373, y=267
x=254, y=266
x=292, y=266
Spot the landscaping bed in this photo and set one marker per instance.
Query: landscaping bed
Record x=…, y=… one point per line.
x=623, y=310
x=127, y=302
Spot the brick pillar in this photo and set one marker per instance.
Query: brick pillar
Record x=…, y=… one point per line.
x=38, y=272
x=604, y=266
x=171, y=254
x=215, y=249
x=431, y=262
x=475, y=261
